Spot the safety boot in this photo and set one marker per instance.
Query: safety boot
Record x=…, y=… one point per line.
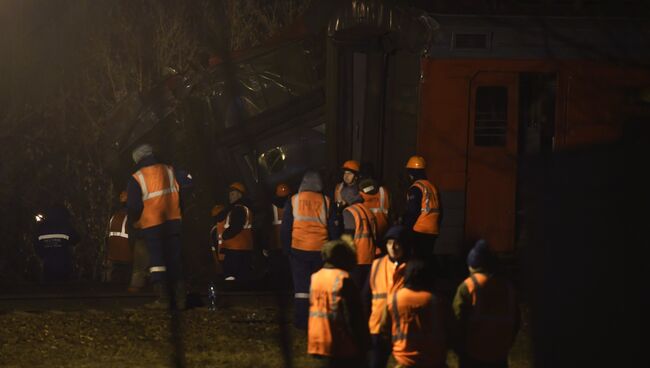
x=180, y=295
x=162, y=301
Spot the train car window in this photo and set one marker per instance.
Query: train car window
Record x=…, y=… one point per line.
x=461, y=41
x=491, y=116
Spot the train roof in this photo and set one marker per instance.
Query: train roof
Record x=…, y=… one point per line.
x=528, y=37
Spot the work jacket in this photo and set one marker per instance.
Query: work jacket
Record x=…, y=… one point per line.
x=486, y=310
x=386, y=277
x=118, y=246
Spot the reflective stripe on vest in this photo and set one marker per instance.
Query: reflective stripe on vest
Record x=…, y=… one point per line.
x=427, y=221
x=383, y=208
x=54, y=236
x=247, y=223
x=218, y=231
x=386, y=277
x=168, y=190
x=160, y=195
x=277, y=219
x=121, y=234
x=275, y=241
x=243, y=240
x=310, y=212
x=118, y=248
x=364, y=232
x=418, y=329
x=328, y=334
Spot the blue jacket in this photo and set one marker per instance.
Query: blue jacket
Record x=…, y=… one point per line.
x=55, y=233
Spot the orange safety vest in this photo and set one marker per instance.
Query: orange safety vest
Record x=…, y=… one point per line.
x=427, y=222
x=327, y=334
x=379, y=204
x=364, y=233
x=418, y=329
x=119, y=249
x=274, y=242
x=310, y=213
x=386, y=278
x=217, y=249
x=159, y=195
x=243, y=240
x=490, y=329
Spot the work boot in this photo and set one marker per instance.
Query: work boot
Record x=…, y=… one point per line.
x=180, y=295
x=162, y=302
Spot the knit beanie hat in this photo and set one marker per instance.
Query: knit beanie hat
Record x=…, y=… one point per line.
x=480, y=255
x=141, y=152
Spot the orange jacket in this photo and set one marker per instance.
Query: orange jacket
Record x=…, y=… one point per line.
x=244, y=239
x=275, y=243
x=490, y=325
x=159, y=195
x=379, y=204
x=364, y=232
x=386, y=277
x=328, y=334
x=418, y=328
x=310, y=214
x=428, y=221
x=119, y=249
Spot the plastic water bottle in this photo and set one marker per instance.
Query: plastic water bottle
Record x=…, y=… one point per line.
x=212, y=297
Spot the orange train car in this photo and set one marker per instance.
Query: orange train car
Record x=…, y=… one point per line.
x=495, y=91
x=480, y=95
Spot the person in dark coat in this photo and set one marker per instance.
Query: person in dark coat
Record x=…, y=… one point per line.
x=54, y=238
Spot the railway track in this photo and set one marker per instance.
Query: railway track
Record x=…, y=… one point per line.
x=43, y=301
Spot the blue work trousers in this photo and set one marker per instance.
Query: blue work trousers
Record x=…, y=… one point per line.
x=164, y=245
x=237, y=264
x=303, y=265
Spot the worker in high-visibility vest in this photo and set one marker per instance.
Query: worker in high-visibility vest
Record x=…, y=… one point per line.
x=154, y=201
x=307, y=224
x=126, y=251
x=386, y=277
x=119, y=256
x=376, y=198
x=423, y=209
x=337, y=331
x=485, y=307
x=350, y=178
x=237, y=235
x=216, y=233
x=418, y=321
x=278, y=259
x=360, y=223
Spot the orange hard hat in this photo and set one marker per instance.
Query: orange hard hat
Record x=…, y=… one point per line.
x=416, y=162
x=351, y=165
x=123, y=196
x=238, y=186
x=282, y=190
x=216, y=209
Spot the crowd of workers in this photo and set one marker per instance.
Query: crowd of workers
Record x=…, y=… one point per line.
x=363, y=283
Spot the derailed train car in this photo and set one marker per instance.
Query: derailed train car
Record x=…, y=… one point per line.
x=475, y=95
x=486, y=95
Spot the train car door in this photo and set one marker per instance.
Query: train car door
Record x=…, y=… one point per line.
x=492, y=159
